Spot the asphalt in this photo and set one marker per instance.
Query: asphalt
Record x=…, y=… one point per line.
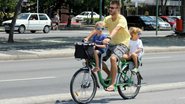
x=30, y=49
x=51, y=99
x=53, y=47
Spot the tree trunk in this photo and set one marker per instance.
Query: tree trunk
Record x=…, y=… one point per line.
x=103, y=7
x=92, y=19
x=69, y=18
x=17, y=9
x=163, y=7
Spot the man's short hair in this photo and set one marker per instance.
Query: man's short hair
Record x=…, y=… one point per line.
x=117, y=2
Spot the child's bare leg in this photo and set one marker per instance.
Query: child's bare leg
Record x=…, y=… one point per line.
x=134, y=57
x=97, y=68
x=126, y=57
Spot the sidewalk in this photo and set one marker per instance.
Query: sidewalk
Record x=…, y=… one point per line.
x=52, y=47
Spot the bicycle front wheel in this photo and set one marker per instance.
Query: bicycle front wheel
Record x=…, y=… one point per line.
x=130, y=84
x=83, y=86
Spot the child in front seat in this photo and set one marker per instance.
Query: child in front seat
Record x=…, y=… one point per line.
x=99, y=47
x=135, y=46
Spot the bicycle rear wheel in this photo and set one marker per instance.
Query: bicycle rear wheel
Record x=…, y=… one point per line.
x=130, y=84
x=83, y=86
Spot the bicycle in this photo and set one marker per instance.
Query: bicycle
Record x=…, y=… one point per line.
x=84, y=83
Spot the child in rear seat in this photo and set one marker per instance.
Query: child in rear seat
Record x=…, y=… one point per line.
x=135, y=46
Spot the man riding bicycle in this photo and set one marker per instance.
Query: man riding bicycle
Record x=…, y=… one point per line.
x=118, y=39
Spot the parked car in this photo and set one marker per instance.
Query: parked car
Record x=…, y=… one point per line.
x=144, y=22
x=30, y=22
x=174, y=25
x=169, y=20
x=162, y=24
x=175, y=17
x=86, y=14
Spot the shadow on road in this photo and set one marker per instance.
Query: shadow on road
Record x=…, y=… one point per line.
x=39, y=43
x=99, y=101
x=68, y=42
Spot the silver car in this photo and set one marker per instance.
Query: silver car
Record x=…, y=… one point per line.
x=162, y=24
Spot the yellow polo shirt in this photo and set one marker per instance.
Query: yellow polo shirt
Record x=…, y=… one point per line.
x=123, y=35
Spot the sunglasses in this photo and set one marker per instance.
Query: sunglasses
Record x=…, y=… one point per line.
x=113, y=7
x=100, y=29
x=139, y=33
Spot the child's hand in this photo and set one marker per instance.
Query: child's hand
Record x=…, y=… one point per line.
x=86, y=39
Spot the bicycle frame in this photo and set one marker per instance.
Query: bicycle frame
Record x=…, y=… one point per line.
x=121, y=66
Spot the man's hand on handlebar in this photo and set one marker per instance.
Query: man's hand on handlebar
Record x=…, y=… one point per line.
x=106, y=41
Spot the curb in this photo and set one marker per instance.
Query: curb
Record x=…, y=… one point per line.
x=163, y=49
x=100, y=93
x=41, y=54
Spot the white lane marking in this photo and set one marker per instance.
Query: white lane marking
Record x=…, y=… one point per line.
x=26, y=79
x=149, y=58
x=182, y=98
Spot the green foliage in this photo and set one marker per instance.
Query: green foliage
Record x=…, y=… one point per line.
x=8, y=4
x=88, y=20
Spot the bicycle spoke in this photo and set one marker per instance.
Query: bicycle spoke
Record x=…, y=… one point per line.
x=83, y=86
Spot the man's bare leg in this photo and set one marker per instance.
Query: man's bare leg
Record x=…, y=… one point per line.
x=113, y=60
x=105, y=68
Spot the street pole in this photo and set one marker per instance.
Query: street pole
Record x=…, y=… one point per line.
x=136, y=5
x=100, y=10
x=183, y=14
x=179, y=6
x=157, y=13
x=37, y=6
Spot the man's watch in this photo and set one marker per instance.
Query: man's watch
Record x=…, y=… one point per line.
x=109, y=37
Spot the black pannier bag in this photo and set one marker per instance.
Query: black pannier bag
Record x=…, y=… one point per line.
x=83, y=50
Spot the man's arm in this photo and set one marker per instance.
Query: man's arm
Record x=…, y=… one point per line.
x=122, y=24
x=114, y=31
x=112, y=34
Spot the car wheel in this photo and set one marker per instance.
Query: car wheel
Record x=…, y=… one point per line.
x=46, y=29
x=21, y=29
x=32, y=31
x=7, y=31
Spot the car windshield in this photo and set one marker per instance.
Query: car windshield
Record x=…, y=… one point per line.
x=22, y=16
x=159, y=19
x=82, y=13
x=146, y=19
x=170, y=19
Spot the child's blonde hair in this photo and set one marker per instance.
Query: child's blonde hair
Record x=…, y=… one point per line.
x=135, y=30
x=99, y=24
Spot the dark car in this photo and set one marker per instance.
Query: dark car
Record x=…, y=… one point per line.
x=143, y=22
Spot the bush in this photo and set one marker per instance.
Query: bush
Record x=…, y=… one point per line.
x=88, y=20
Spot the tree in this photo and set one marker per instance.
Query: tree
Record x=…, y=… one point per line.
x=17, y=9
x=163, y=6
x=6, y=7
